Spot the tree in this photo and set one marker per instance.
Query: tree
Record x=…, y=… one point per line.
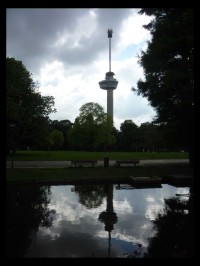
x=36, y=136
x=174, y=230
x=129, y=135
x=24, y=105
x=27, y=208
x=168, y=68
x=115, y=146
x=91, y=196
x=92, y=128
x=63, y=126
x=56, y=139
x=150, y=138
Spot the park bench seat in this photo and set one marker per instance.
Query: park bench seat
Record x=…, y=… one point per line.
x=119, y=162
x=84, y=162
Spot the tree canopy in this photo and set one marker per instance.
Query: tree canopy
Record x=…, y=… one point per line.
x=168, y=69
x=55, y=139
x=129, y=136
x=64, y=127
x=25, y=107
x=32, y=201
x=177, y=217
x=92, y=128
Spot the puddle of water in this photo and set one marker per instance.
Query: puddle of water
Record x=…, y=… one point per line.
x=105, y=220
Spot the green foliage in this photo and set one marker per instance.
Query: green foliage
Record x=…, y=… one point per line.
x=18, y=233
x=150, y=138
x=25, y=107
x=91, y=196
x=176, y=218
x=55, y=139
x=128, y=135
x=147, y=137
x=92, y=128
x=64, y=127
x=169, y=70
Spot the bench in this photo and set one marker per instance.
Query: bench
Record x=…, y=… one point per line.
x=118, y=162
x=83, y=162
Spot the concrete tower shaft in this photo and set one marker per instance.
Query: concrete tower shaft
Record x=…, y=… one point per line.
x=109, y=83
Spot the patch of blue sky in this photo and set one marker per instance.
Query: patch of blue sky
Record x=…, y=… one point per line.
x=128, y=52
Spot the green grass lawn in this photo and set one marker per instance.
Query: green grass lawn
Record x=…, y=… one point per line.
x=89, y=174
x=96, y=174
x=75, y=155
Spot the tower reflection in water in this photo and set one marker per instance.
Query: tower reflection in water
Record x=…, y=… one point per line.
x=108, y=217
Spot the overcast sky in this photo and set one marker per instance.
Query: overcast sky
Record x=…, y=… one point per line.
x=67, y=52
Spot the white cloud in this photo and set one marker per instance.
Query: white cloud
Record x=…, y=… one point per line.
x=132, y=31
x=66, y=50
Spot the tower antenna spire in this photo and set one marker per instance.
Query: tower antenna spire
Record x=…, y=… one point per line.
x=110, y=32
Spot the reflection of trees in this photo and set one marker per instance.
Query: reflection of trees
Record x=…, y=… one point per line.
x=90, y=196
x=174, y=230
x=26, y=211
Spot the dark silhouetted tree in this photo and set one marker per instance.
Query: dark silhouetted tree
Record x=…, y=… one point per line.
x=150, y=138
x=63, y=126
x=174, y=237
x=26, y=210
x=169, y=71
x=55, y=139
x=25, y=107
x=128, y=136
x=91, y=196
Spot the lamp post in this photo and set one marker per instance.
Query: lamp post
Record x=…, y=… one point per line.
x=12, y=143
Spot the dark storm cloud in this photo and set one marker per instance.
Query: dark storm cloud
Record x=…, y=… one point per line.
x=36, y=36
x=31, y=33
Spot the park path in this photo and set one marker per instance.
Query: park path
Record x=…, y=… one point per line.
x=62, y=164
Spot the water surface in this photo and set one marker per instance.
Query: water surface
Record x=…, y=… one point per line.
x=107, y=220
